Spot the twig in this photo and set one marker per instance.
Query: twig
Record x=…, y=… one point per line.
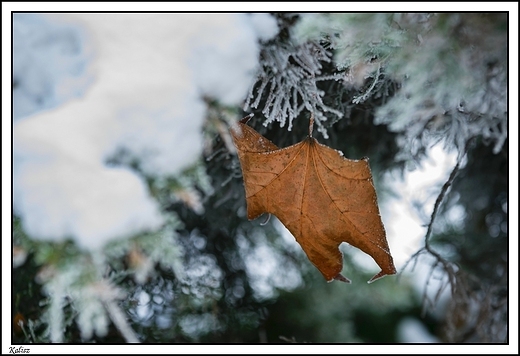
x=119, y=320
x=366, y=95
x=56, y=317
x=437, y=205
x=446, y=265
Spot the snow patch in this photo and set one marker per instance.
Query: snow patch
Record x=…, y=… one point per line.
x=264, y=25
x=151, y=71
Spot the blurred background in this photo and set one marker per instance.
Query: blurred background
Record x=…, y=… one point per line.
x=129, y=220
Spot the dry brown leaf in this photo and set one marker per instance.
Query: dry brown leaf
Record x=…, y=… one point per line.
x=321, y=197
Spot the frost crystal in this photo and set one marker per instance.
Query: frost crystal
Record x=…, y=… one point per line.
x=287, y=84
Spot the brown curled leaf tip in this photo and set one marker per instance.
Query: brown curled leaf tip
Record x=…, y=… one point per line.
x=342, y=278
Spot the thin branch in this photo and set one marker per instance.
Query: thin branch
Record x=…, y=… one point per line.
x=366, y=95
x=437, y=205
x=119, y=320
x=446, y=265
x=56, y=317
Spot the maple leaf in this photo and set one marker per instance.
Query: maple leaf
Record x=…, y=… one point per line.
x=321, y=197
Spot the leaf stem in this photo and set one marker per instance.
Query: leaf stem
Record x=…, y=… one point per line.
x=311, y=124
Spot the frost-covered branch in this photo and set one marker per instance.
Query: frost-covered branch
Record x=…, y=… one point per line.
x=119, y=320
x=361, y=98
x=287, y=84
x=103, y=291
x=451, y=71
